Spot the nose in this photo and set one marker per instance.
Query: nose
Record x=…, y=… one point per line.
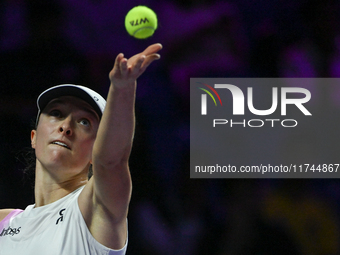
x=65, y=127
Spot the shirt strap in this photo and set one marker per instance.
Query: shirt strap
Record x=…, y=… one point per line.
x=13, y=213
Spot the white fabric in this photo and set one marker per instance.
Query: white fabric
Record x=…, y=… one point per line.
x=54, y=229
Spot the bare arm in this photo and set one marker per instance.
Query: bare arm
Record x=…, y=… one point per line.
x=110, y=188
x=114, y=138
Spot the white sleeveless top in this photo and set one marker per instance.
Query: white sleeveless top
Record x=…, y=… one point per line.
x=54, y=229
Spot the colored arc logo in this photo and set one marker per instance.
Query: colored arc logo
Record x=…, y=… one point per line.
x=208, y=92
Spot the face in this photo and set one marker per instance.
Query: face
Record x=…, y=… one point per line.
x=65, y=135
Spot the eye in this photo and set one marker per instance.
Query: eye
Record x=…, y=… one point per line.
x=85, y=122
x=55, y=113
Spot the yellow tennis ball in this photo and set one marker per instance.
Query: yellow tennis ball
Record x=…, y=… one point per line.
x=141, y=22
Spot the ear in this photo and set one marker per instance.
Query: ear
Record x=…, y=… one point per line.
x=33, y=138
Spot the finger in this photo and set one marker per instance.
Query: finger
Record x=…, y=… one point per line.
x=137, y=66
x=149, y=59
x=119, y=57
x=152, y=49
x=123, y=67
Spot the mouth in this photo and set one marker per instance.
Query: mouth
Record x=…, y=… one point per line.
x=61, y=144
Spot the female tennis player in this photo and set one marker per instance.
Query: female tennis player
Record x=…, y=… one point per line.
x=77, y=129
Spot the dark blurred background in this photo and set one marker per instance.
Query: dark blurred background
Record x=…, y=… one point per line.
x=45, y=43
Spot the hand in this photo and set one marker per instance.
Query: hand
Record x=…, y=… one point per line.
x=126, y=71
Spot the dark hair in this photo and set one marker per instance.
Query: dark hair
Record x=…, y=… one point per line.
x=28, y=158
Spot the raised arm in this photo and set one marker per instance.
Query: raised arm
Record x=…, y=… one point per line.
x=109, y=190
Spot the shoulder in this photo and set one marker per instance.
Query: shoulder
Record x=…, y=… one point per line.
x=4, y=213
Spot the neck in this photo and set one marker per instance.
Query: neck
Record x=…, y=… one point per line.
x=49, y=189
